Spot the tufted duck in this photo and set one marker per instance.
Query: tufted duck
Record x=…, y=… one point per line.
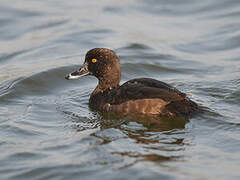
x=137, y=96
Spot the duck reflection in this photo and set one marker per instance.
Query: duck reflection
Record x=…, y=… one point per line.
x=147, y=138
x=149, y=123
x=133, y=139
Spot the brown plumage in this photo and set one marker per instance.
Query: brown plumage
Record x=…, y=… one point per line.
x=137, y=96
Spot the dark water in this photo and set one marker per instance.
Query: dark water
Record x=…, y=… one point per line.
x=46, y=128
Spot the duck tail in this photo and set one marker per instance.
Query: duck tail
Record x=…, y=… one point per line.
x=184, y=107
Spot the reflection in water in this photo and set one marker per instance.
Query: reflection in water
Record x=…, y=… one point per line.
x=150, y=123
x=153, y=136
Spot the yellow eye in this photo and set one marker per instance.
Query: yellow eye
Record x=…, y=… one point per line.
x=94, y=60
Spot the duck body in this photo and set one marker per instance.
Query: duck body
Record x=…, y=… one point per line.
x=143, y=96
x=137, y=96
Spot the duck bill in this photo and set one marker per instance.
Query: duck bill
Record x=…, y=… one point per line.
x=83, y=71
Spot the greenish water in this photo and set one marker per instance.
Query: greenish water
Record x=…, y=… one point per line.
x=47, y=130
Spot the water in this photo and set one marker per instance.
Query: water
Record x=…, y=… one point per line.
x=46, y=128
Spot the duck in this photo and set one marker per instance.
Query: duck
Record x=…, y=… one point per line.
x=144, y=96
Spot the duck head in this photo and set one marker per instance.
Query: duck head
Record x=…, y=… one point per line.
x=103, y=64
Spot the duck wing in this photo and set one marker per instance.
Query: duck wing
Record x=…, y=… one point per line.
x=145, y=88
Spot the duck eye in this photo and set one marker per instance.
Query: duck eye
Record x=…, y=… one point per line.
x=94, y=60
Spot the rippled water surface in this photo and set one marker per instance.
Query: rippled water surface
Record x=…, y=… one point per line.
x=47, y=130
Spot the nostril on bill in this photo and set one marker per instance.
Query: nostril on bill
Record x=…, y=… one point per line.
x=67, y=76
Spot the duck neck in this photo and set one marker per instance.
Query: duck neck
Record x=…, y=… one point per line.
x=105, y=84
x=109, y=80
